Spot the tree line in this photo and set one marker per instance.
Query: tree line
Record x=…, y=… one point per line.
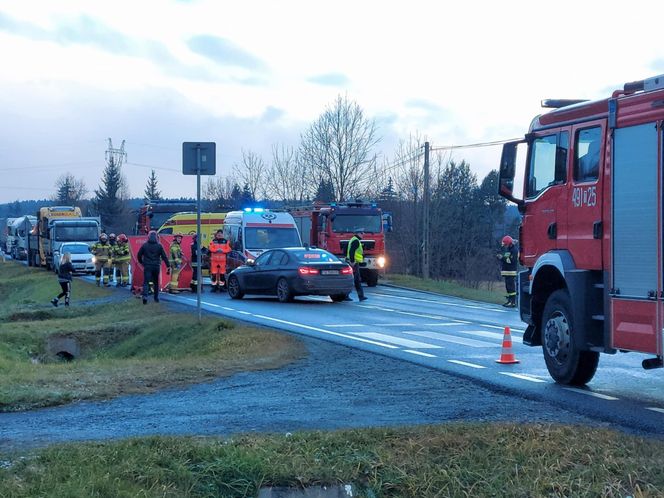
x=336, y=160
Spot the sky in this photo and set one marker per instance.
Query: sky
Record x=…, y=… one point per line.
x=249, y=75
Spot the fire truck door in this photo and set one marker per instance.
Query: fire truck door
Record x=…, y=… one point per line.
x=636, y=214
x=546, y=195
x=585, y=227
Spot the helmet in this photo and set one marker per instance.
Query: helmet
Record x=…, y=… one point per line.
x=111, y=236
x=103, y=236
x=507, y=240
x=122, y=238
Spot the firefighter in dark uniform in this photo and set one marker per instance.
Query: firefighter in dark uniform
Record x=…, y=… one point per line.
x=509, y=257
x=195, y=270
x=175, y=263
x=112, y=241
x=355, y=256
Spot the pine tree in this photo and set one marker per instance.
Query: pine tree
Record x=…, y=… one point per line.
x=247, y=198
x=388, y=193
x=109, y=202
x=325, y=192
x=70, y=191
x=152, y=193
x=236, y=196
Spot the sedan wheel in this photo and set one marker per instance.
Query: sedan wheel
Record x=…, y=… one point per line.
x=284, y=292
x=234, y=289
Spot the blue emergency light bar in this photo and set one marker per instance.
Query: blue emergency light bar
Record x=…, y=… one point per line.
x=254, y=210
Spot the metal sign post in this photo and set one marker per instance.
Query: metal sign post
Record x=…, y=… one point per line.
x=198, y=158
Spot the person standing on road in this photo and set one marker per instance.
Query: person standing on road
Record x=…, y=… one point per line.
x=150, y=255
x=219, y=249
x=121, y=259
x=102, y=253
x=112, y=241
x=355, y=256
x=509, y=258
x=195, y=270
x=175, y=263
x=65, y=272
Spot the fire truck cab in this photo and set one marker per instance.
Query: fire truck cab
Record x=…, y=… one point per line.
x=591, y=238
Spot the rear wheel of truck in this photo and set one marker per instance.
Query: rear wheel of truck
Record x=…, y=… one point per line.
x=372, y=278
x=567, y=364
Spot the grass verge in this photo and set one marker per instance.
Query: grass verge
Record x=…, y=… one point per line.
x=124, y=347
x=453, y=460
x=448, y=287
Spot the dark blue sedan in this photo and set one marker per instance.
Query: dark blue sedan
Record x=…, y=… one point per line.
x=290, y=272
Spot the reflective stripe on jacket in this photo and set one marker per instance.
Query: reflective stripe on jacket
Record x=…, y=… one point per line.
x=355, y=251
x=121, y=253
x=101, y=251
x=176, y=255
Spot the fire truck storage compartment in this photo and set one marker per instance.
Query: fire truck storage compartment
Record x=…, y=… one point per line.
x=635, y=247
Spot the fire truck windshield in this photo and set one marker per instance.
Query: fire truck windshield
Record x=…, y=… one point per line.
x=348, y=223
x=271, y=237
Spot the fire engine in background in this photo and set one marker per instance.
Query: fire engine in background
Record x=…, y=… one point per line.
x=331, y=226
x=56, y=225
x=255, y=230
x=592, y=232
x=153, y=214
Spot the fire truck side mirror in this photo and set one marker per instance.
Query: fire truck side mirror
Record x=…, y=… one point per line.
x=508, y=171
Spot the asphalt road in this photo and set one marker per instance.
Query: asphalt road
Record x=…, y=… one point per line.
x=400, y=358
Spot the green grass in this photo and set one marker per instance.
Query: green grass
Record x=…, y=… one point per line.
x=466, y=460
x=125, y=347
x=495, y=294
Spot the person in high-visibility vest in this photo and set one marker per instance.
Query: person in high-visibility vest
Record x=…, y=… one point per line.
x=218, y=250
x=102, y=253
x=175, y=263
x=509, y=257
x=355, y=256
x=121, y=259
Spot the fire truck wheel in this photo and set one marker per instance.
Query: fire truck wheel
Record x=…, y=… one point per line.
x=284, y=292
x=372, y=279
x=566, y=363
x=234, y=289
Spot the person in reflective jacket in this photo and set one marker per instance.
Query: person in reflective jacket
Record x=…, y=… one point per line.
x=176, y=263
x=509, y=257
x=355, y=256
x=218, y=249
x=121, y=259
x=102, y=253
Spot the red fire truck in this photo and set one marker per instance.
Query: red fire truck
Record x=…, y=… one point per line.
x=592, y=238
x=153, y=214
x=331, y=226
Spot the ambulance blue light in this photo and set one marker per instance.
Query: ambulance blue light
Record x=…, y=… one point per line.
x=247, y=210
x=258, y=210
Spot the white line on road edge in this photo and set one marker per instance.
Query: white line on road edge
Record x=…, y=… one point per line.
x=655, y=409
x=397, y=340
x=523, y=377
x=444, y=303
x=420, y=353
x=244, y=312
x=344, y=325
x=590, y=393
x=466, y=364
x=375, y=343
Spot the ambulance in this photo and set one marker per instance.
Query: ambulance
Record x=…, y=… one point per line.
x=185, y=223
x=255, y=230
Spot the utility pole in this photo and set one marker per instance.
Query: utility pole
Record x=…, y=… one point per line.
x=426, y=199
x=114, y=155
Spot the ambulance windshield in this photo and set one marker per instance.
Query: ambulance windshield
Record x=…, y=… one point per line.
x=271, y=237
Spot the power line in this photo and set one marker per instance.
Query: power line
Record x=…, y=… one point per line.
x=152, y=167
x=475, y=145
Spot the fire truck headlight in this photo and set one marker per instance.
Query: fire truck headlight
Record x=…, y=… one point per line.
x=381, y=261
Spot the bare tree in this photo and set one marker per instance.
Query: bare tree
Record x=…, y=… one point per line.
x=338, y=146
x=287, y=177
x=217, y=191
x=252, y=172
x=70, y=191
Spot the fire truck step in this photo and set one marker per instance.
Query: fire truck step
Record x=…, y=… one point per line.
x=650, y=363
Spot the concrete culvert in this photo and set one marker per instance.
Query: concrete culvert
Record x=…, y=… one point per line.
x=335, y=491
x=62, y=347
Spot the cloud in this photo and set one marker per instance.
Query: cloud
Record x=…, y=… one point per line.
x=658, y=65
x=224, y=52
x=424, y=105
x=330, y=79
x=272, y=114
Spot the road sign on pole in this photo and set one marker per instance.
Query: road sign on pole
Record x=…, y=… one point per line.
x=198, y=158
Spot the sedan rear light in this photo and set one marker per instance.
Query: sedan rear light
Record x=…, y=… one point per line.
x=346, y=270
x=303, y=270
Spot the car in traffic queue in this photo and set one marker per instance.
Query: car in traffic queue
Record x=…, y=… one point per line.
x=290, y=272
x=81, y=258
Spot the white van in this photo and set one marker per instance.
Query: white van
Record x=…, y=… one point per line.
x=255, y=230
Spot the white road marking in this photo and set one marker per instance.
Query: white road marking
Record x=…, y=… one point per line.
x=466, y=364
x=451, y=338
x=344, y=325
x=523, y=377
x=244, y=312
x=444, y=303
x=499, y=327
x=330, y=332
x=421, y=353
x=482, y=333
x=590, y=393
x=397, y=340
x=392, y=324
x=655, y=409
x=445, y=324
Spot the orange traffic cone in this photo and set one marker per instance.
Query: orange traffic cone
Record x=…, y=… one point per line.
x=507, y=356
